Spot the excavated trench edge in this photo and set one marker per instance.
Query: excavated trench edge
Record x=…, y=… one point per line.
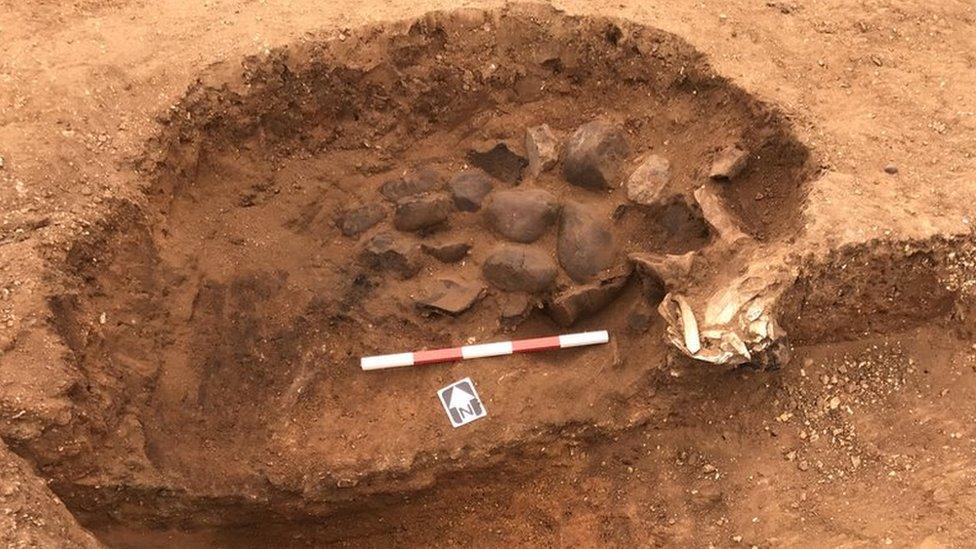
x=819, y=278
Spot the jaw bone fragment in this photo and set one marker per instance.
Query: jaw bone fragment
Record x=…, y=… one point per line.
x=736, y=324
x=689, y=326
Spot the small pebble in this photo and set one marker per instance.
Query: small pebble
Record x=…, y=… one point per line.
x=891, y=169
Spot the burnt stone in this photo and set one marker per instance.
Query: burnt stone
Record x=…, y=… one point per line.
x=422, y=181
x=522, y=215
x=595, y=155
x=469, y=189
x=585, y=246
x=499, y=162
x=450, y=295
x=360, y=219
x=517, y=268
x=580, y=302
x=390, y=252
x=415, y=213
x=447, y=252
x=514, y=309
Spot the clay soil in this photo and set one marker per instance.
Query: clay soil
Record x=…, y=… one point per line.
x=182, y=313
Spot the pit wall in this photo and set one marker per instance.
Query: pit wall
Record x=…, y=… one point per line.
x=390, y=85
x=881, y=287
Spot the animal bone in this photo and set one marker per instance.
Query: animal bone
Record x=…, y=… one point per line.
x=736, y=323
x=718, y=217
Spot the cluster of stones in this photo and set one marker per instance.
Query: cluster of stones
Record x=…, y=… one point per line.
x=595, y=157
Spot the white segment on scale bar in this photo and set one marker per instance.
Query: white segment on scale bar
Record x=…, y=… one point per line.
x=584, y=338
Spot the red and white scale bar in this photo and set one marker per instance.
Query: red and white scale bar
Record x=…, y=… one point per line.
x=500, y=348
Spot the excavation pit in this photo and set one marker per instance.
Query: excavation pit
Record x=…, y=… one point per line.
x=303, y=209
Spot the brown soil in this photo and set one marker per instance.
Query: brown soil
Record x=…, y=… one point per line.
x=199, y=314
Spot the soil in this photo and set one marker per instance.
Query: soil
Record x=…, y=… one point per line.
x=184, y=309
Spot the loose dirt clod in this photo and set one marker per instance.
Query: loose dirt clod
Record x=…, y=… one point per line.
x=579, y=302
x=514, y=308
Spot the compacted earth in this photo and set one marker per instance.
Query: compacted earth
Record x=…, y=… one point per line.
x=200, y=242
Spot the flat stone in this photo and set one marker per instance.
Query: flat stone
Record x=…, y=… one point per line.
x=579, y=302
x=585, y=245
x=542, y=148
x=361, y=218
x=517, y=268
x=648, y=182
x=595, y=155
x=522, y=215
x=422, y=181
x=389, y=252
x=469, y=189
x=415, y=213
x=447, y=252
x=499, y=162
x=450, y=295
x=728, y=163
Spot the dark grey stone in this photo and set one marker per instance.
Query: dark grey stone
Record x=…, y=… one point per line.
x=522, y=215
x=517, y=268
x=580, y=302
x=447, y=252
x=415, y=213
x=451, y=295
x=361, y=218
x=595, y=155
x=390, y=252
x=469, y=189
x=422, y=181
x=585, y=246
x=499, y=162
